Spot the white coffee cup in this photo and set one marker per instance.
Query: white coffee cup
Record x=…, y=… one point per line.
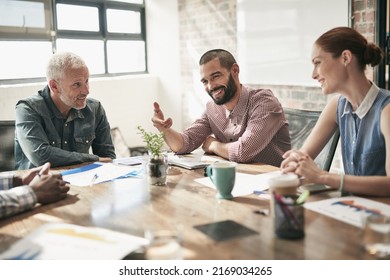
x=284, y=184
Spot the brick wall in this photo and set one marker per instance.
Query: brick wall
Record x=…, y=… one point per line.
x=363, y=20
x=204, y=24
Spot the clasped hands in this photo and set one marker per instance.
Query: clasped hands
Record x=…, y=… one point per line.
x=302, y=164
x=48, y=187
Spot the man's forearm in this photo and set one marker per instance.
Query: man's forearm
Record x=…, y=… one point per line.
x=220, y=149
x=173, y=139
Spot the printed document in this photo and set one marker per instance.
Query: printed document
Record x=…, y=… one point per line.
x=61, y=241
x=99, y=172
x=349, y=209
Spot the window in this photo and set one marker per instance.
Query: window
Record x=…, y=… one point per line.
x=109, y=35
x=75, y=17
x=119, y=21
x=92, y=51
x=28, y=19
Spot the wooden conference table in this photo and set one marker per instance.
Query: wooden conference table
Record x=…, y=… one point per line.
x=131, y=208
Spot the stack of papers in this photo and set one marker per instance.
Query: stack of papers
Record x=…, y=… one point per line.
x=60, y=241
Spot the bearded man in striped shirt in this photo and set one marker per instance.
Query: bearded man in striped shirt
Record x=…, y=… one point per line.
x=240, y=123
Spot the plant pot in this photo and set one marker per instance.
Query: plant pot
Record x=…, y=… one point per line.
x=157, y=169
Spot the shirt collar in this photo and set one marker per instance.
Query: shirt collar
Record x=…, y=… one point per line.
x=366, y=104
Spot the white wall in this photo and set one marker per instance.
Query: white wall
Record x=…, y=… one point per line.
x=128, y=100
x=287, y=38
x=164, y=55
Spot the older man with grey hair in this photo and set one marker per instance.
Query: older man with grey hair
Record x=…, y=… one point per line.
x=60, y=124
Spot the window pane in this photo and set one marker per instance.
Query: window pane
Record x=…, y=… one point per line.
x=22, y=14
x=123, y=21
x=21, y=60
x=72, y=17
x=92, y=51
x=126, y=56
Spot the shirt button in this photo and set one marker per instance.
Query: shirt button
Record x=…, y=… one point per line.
x=66, y=142
x=87, y=141
x=53, y=142
x=66, y=125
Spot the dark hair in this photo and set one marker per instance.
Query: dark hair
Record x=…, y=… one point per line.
x=226, y=59
x=339, y=39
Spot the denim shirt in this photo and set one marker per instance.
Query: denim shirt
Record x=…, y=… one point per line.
x=44, y=135
x=363, y=146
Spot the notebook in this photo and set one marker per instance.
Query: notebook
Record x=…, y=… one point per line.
x=188, y=161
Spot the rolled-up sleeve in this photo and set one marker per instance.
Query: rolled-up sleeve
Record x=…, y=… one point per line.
x=195, y=135
x=264, y=122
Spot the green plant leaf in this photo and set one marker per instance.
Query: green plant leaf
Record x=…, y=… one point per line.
x=154, y=141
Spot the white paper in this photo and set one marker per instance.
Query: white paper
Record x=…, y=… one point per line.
x=60, y=241
x=103, y=173
x=349, y=209
x=245, y=184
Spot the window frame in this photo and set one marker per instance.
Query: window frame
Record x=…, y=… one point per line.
x=51, y=32
x=19, y=33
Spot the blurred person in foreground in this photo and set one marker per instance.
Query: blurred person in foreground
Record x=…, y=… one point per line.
x=20, y=193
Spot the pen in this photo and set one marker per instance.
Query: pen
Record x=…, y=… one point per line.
x=264, y=212
x=94, y=179
x=289, y=215
x=260, y=192
x=301, y=199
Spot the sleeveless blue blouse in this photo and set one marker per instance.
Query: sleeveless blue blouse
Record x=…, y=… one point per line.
x=362, y=143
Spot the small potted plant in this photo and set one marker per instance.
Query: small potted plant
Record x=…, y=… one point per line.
x=158, y=162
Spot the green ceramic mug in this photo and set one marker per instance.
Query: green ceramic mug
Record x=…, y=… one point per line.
x=223, y=175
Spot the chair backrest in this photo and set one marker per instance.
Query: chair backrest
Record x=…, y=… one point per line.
x=301, y=123
x=121, y=148
x=7, y=145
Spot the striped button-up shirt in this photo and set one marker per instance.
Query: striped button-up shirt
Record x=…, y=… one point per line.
x=14, y=200
x=256, y=128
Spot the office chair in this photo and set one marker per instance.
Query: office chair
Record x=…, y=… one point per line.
x=7, y=145
x=301, y=123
